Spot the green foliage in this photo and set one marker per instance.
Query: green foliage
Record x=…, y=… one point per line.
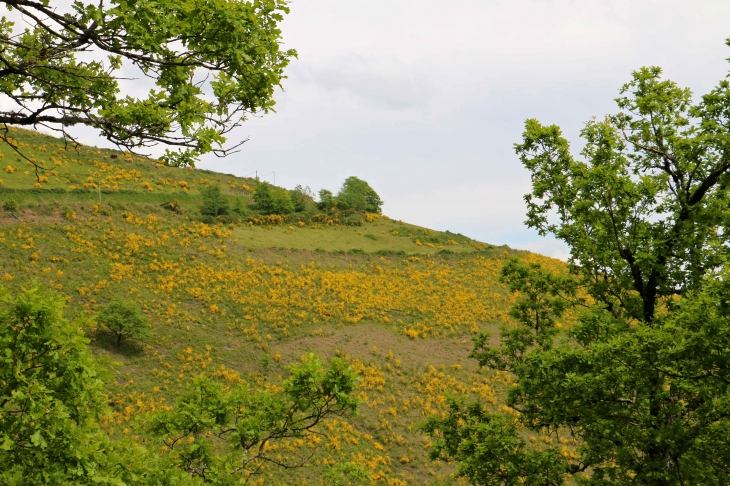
x=214, y=202
x=10, y=206
x=50, y=396
x=642, y=380
x=124, y=320
x=272, y=200
x=356, y=194
x=231, y=427
x=234, y=47
x=238, y=207
x=265, y=361
x=301, y=197
x=326, y=200
x=347, y=474
x=544, y=298
x=489, y=449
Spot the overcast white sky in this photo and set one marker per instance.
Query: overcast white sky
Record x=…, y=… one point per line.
x=424, y=99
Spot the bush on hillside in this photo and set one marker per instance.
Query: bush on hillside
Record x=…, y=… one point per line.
x=238, y=207
x=10, y=206
x=214, y=202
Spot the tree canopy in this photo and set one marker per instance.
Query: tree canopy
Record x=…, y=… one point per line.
x=212, y=63
x=357, y=194
x=124, y=320
x=272, y=200
x=637, y=391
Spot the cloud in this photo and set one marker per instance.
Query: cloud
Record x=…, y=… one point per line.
x=383, y=83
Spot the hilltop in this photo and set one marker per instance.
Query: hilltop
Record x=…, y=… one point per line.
x=241, y=297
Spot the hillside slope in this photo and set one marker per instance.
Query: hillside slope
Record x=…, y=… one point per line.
x=241, y=300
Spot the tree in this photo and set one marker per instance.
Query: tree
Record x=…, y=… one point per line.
x=212, y=64
x=300, y=197
x=231, y=428
x=272, y=200
x=357, y=194
x=214, y=202
x=326, y=200
x=639, y=388
x=124, y=320
x=51, y=396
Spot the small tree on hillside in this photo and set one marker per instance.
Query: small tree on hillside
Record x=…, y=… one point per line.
x=326, y=200
x=356, y=194
x=214, y=202
x=300, y=196
x=272, y=200
x=124, y=320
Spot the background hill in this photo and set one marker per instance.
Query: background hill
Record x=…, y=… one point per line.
x=241, y=297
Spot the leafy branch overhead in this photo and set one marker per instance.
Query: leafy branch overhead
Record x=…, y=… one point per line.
x=250, y=421
x=213, y=63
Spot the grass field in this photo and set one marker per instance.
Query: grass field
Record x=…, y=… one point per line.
x=242, y=300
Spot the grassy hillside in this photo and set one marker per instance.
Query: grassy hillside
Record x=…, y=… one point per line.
x=241, y=300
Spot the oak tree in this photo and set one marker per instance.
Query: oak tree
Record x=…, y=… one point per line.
x=637, y=391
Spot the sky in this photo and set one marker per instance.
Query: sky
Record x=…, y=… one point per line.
x=425, y=99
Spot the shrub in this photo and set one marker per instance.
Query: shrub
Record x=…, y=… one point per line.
x=10, y=206
x=238, y=207
x=214, y=202
x=173, y=206
x=352, y=221
x=124, y=320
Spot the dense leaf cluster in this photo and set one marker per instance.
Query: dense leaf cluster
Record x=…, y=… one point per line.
x=355, y=194
x=212, y=63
